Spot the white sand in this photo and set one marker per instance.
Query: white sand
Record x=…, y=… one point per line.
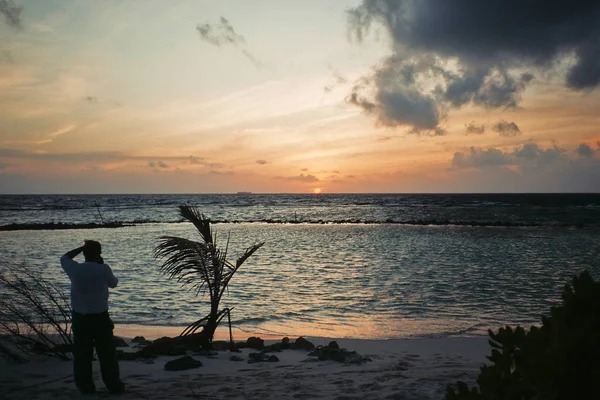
x=401, y=369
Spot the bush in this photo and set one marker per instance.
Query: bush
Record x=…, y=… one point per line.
x=559, y=360
x=35, y=315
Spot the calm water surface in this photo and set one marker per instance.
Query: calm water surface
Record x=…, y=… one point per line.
x=340, y=280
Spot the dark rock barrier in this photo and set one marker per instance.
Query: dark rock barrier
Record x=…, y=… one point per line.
x=60, y=225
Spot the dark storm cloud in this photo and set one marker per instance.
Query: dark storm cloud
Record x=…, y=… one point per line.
x=447, y=54
x=473, y=128
x=11, y=13
x=584, y=150
x=506, y=129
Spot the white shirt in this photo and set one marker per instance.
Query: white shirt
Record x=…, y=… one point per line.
x=89, y=285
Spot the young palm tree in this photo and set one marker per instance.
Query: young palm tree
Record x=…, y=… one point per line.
x=200, y=264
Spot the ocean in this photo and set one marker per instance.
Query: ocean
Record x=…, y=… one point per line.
x=368, y=266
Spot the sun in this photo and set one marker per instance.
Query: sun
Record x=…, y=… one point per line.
x=317, y=190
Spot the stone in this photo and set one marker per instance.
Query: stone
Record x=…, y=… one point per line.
x=324, y=353
x=119, y=342
x=182, y=364
x=275, y=347
x=285, y=343
x=333, y=345
x=303, y=344
x=236, y=358
x=139, y=339
x=261, y=357
x=254, y=343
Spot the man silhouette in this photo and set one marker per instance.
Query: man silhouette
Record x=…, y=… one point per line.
x=92, y=326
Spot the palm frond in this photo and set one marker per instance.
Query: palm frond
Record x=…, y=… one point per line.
x=184, y=260
x=249, y=251
x=200, y=221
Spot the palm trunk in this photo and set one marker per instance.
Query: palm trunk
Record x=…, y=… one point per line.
x=211, y=327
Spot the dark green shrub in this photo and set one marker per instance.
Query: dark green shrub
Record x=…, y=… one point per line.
x=558, y=360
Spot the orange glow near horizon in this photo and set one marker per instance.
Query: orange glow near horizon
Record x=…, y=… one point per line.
x=317, y=190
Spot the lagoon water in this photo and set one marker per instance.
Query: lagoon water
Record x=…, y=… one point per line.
x=360, y=266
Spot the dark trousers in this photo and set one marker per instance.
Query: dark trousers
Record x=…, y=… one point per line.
x=89, y=331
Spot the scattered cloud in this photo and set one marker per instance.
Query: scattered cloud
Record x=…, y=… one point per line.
x=473, y=128
x=220, y=33
x=3, y=165
x=6, y=56
x=506, y=129
x=446, y=55
x=585, y=150
x=158, y=164
x=223, y=33
x=215, y=172
x=480, y=158
x=215, y=165
x=300, y=178
x=338, y=80
x=92, y=169
x=91, y=99
x=196, y=160
x=202, y=161
x=59, y=132
x=11, y=13
x=261, y=162
x=525, y=155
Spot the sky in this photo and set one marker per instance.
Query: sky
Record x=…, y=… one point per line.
x=311, y=96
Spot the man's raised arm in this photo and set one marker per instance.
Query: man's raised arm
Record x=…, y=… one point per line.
x=73, y=253
x=66, y=261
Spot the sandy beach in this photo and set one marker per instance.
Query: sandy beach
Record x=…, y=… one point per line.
x=399, y=369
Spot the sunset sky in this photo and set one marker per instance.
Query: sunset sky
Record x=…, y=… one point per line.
x=270, y=96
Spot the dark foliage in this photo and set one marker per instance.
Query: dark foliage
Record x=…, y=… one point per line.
x=558, y=360
x=35, y=315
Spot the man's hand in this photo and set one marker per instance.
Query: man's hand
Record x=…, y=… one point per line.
x=73, y=253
